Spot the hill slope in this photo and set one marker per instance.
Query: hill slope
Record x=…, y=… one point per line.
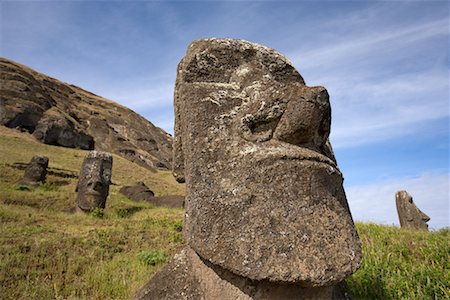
x=57, y=113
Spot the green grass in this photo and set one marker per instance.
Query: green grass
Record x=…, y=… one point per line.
x=402, y=264
x=49, y=252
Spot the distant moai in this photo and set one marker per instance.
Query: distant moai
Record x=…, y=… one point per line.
x=93, y=182
x=36, y=171
x=409, y=214
x=266, y=213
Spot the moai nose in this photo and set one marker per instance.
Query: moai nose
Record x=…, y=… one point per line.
x=306, y=120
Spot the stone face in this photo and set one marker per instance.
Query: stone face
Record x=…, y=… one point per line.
x=187, y=276
x=409, y=214
x=94, y=180
x=265, y=198
x=36, y=171
x=61, y=114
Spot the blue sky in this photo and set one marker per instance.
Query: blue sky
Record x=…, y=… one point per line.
x=384, y=63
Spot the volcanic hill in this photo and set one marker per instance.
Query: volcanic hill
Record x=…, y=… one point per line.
x=57, y=113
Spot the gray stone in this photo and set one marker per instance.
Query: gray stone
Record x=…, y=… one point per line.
x=36, y=171
x=140, y=192
x=409, y=214
x=94, y=180
x=265, y=198
x=137, y=192
x=187, y=276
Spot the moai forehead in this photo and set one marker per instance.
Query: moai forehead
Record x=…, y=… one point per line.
x=408, y=213
x=94, y=180
x=264, y=195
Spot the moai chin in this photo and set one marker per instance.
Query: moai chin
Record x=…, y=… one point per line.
x=93, y=182
x=265, y=198
x=409, y=214
x=36, y=171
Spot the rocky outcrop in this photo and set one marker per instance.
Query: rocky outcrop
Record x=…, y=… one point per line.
x=60, y=114
x=265, y=199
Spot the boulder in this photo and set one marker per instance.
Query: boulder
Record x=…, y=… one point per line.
x=409, y=214
x=35, y=172
x=138, y=192
x=93, y=181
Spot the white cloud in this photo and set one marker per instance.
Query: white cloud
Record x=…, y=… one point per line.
x=375, y=95
x=375, y=202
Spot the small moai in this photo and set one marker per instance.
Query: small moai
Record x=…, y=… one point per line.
x=93, y=181
x=409, y=214
x=36, y=171
x=266, y=213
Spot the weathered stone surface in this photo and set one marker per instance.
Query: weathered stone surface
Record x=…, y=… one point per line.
x=264, y=194
x=60, y=114
x=36, y=171
x=94, y=180
x=137, y=192
x=409, y=214
x=56, y=129
x=187, y=276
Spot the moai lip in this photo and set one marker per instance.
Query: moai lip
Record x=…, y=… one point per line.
x=265, y=198
x=93, y=182
x=409, y=214
x=36, y=171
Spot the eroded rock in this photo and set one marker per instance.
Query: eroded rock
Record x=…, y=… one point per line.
x=409, y=214
x=36, y=171
x=65, y=115
x=187, y=276
x=265, y=198
x=93, y=181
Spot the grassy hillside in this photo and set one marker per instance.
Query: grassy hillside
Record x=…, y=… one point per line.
x=49, y=252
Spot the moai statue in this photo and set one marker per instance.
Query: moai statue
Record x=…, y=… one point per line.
x=265, y=201
x=36, y=171
x=409, y=214
x=94, y=180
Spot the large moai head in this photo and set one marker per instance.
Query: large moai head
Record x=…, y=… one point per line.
x=265, y=198
x=36, y=171
x=94, y=180
x=409, y=214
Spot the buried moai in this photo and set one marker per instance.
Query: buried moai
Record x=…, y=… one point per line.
x=36, y=171
x=266, y=213
x=409, y=214
x=93, y=182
